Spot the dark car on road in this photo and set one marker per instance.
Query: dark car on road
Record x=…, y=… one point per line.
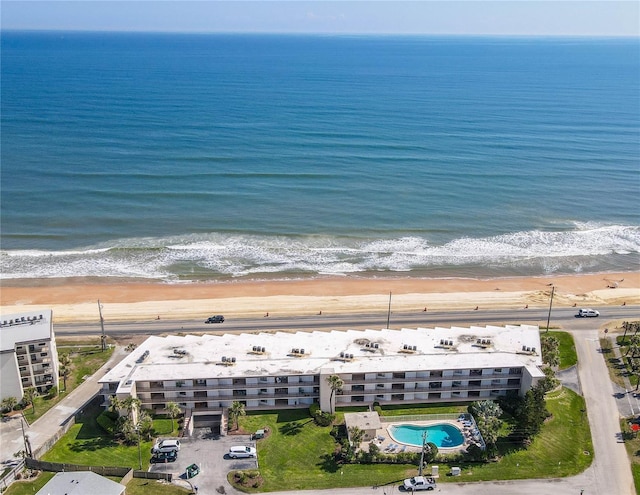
x=164, y=457
x=215, y=319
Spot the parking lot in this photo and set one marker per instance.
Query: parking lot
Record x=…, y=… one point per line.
x=209, y=452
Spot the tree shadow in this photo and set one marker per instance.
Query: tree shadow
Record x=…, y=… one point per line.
x=328, y=464
x=92, y=445
x=291, y=428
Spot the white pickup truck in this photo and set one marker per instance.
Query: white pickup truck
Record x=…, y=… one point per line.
x=419, y=483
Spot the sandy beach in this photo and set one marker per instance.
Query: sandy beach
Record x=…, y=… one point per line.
x=75, y=300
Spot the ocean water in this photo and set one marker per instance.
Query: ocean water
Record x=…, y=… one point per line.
x=215, y=157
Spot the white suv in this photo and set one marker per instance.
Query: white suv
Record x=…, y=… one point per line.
x=241, y=451
x=587, y=313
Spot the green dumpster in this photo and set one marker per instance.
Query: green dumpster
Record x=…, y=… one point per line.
x=192, y=470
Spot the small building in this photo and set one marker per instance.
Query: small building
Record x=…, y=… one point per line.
x=368, y=422
x=28, y=354
x=81, y=483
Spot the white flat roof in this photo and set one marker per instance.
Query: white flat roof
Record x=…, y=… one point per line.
x=200, y=357
x=24, y=327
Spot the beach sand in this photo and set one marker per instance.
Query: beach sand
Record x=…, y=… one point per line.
x=75, y=300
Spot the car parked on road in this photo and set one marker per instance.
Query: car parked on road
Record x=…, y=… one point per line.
x=419, y=483
x=587, y=313
x=239, y=451
x=215, y=319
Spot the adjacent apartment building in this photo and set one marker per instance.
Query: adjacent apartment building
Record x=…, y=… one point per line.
x=205, y=374
x=28, y=354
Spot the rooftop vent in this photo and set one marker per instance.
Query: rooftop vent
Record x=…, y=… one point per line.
x=144, y=356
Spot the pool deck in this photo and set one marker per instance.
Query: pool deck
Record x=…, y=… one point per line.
x=388, y=445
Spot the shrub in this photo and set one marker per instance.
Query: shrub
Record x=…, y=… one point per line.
x=106, y=423
x=321, y=418
x=52, y=392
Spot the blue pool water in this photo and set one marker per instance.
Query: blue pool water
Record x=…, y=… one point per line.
x=443, y=435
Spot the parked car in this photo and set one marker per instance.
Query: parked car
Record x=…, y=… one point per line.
x=215, y=319
x=587, y=313
x=419, y=483
x=164, y=456
x=238, y=451
x=166, y=446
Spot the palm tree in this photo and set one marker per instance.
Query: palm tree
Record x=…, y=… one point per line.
x=550, y=350
x=336, y=384
x=356, y=435
x=29, y=398
x=131, y=404
x=9, y=403
x=65, y=368
x=115, y=404
x=173, y=410
x=235, y=411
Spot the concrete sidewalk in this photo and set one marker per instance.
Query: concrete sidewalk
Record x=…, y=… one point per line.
x=46, y=427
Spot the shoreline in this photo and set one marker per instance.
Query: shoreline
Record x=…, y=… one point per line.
x=75, y=300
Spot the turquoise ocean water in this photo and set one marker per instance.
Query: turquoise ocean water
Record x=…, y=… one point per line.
x=197, y=157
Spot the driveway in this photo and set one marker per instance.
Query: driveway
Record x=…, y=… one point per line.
x=209, y=452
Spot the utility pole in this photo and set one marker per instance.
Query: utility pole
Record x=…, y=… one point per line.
x=389, y=310
x=424, y=446
x=103, y=337
x=27, y=443
x=553, y=289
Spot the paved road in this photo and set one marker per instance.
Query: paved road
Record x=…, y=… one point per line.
x=561, y=316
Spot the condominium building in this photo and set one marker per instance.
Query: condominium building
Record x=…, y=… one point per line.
x=28, y=354
x=206, y=374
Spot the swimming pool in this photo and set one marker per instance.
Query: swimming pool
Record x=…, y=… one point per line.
x=442, y=434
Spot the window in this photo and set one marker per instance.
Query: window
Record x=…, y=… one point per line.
x=201, y=382
x=476, y=372
x=179, y=383
x=456, y=383
x=475, y=383
x=515, y=371
x=357, y=388
x=435, y=385
x=497, y=370
x=398, y=375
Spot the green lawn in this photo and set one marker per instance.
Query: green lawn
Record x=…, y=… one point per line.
x=86, y=443
x=29, y=487
x=632, y=444
x=568, y=354
x=140, y=486
x=297, y=453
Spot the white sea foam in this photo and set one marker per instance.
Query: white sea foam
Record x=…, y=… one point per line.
x=589, y=247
